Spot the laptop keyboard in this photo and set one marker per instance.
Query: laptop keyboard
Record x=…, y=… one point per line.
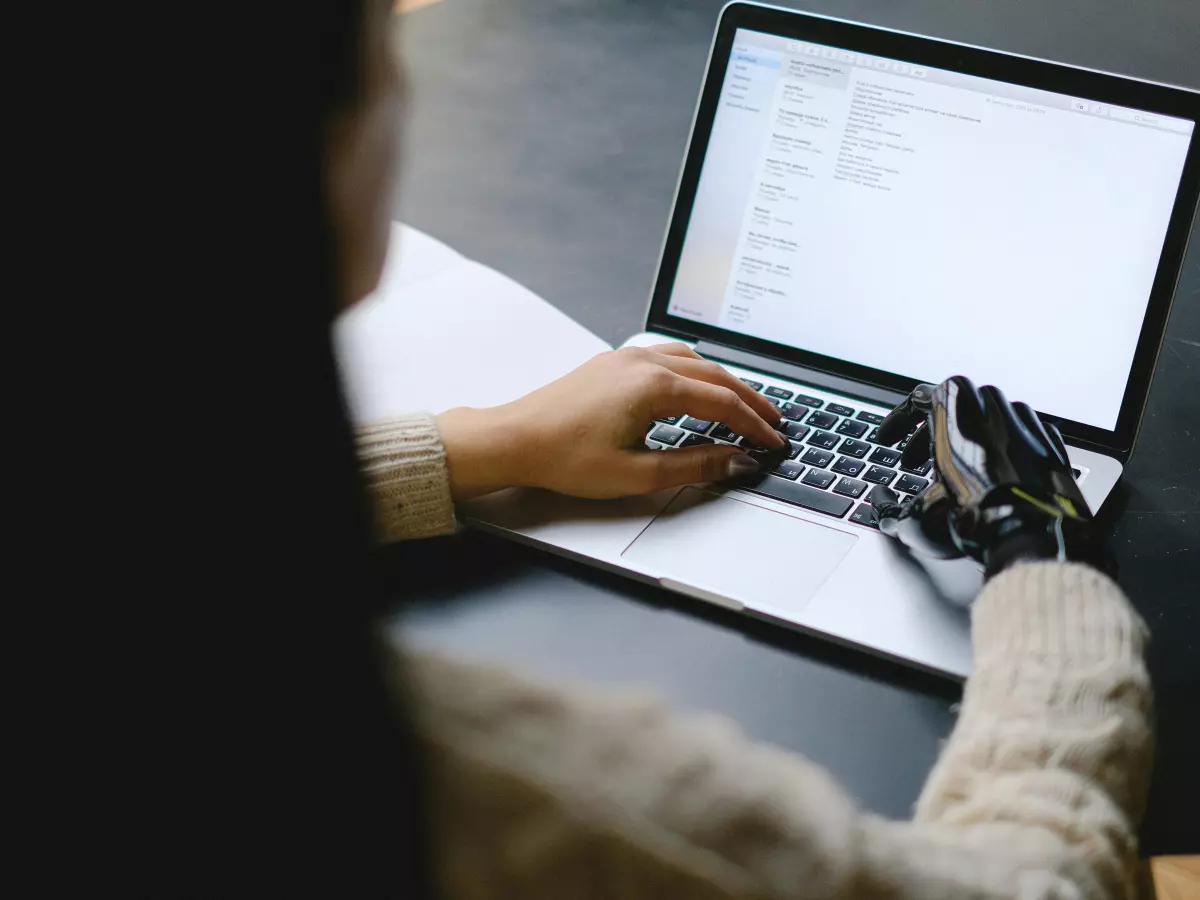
x=835, y=463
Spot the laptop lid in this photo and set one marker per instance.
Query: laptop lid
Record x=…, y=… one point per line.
x=891, y=209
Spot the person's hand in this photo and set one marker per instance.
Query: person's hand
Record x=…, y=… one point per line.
x=1001, y=488
x=584, y=434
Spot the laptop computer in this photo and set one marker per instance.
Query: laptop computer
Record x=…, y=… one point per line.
x=861, y=210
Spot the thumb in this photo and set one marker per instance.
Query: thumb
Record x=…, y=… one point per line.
x=655, y=470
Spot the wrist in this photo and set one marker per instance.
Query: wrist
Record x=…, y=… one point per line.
x=483, y=450
x=1022, y=547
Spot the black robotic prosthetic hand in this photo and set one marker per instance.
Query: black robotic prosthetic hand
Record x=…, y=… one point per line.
x=1001, y=487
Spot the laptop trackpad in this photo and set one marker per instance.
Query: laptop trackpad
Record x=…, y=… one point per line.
x=738, y=552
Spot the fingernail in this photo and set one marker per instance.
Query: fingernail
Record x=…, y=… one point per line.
x=741, y=465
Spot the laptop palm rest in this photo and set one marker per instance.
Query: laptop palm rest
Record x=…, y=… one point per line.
x=726, y=551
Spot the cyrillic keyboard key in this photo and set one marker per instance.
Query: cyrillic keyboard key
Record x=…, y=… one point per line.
x=794, y=410
x=786, y=469
x=820, y=479
x=796, y=431
x=847, y=465
x=879, y=475
x=885, y=456
x=857, y=449
x=850, y=487
x=824, y=439
x=818, y=458
x=697, y=425
x=911, y=484
x=666, y=434
x=695, y=440
x=822, y=420
x=864, y=515
x=724, y=433
x=852, y=428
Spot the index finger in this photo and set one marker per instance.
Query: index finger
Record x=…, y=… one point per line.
x=901, y=420
x=712, y=402
x=704, y=370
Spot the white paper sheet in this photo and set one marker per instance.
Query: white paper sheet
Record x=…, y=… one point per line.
x=442, y=331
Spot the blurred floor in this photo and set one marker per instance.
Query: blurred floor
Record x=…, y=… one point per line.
x=1176, y=877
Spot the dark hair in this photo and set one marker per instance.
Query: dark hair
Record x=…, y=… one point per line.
x=245, y=736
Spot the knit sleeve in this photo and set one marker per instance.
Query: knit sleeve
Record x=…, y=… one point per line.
x=404, y=466
x=544, y=791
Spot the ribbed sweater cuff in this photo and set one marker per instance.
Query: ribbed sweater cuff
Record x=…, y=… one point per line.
x=1052, y=610
x=404, y=466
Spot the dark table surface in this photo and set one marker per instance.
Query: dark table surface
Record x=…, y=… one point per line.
x=544, y=139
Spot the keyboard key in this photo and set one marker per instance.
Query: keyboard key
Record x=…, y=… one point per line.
x=822, y=420
x=778, y=392
x=847, y=466
x=838, y=410
x=724, y=433
x=879, y=475
x=873, y=437
x=794, y=411
x=854, y=429
x=922, y=469
x=864, y=515
x=850, y=487
x=650, y=428
x=809, y=401
x=824, y=440
x=820, y=479
x=757, y=385
x=786, y=469
x=857, y=449
x=870, y=419
x=697, y=425
x=797, y=449
x=776, y=402
x=695, y=440
x=885, y=456
x=650, y=445
x=797, y=494
x=796, y=431
x=818, y=458
x=911, y=484
x=670, y=420
x=665, y=434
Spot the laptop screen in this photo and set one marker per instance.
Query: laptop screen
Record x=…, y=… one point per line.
x=925, y=222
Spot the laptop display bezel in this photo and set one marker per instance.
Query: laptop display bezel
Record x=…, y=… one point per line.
x=1048, y=76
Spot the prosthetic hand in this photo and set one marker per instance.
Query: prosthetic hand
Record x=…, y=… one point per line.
x=1001, y=487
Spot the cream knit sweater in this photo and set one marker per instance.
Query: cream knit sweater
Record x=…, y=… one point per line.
x=543, y=791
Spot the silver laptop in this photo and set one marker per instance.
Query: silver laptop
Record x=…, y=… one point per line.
x=861, y=210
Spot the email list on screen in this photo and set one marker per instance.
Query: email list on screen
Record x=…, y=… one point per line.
x=926, y=222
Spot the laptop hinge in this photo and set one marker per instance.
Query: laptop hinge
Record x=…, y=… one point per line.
x=801, y=374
